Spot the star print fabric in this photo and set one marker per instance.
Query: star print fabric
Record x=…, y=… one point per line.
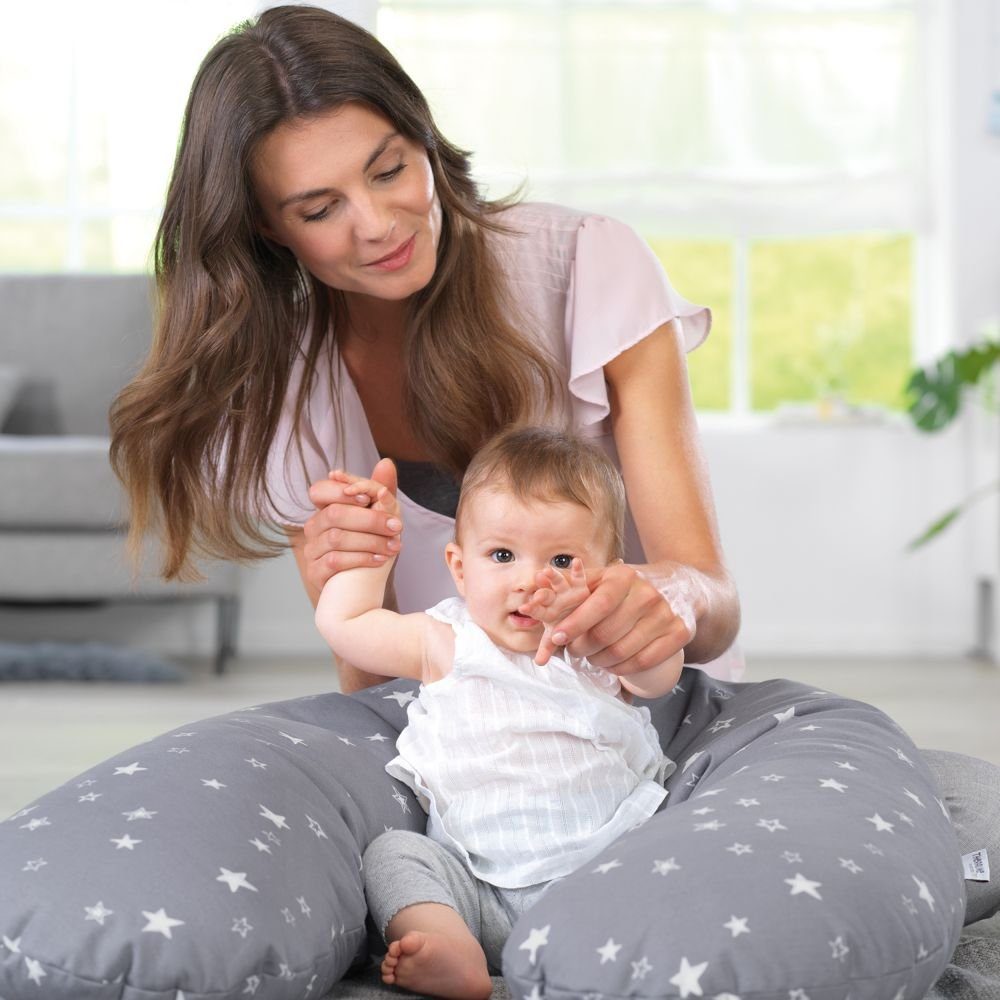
x=802, y=854
x=221, y=860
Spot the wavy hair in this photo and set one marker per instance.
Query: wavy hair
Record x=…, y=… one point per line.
x=192, y=431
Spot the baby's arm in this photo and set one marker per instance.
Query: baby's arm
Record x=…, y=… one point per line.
x=350, y=616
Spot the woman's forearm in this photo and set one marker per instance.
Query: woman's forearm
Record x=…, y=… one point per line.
x=707, y=603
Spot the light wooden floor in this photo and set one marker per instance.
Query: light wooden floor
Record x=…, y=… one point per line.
x=49, y=732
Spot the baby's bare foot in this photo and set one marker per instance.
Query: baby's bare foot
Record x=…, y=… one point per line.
x=426, y=962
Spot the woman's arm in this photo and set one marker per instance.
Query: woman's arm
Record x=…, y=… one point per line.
x=683, y=597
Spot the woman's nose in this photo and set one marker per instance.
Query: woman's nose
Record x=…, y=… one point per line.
x=373, y=220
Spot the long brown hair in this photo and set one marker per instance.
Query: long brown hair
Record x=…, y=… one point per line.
x=191, y=433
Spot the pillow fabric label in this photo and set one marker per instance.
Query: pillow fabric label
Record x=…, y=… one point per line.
x=977, y=866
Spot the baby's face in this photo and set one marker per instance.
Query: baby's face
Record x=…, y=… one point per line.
x=504, y=544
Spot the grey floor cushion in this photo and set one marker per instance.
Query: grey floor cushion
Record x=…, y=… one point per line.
x=802, y=854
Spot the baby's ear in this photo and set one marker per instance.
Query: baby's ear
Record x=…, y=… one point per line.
x=453, y=557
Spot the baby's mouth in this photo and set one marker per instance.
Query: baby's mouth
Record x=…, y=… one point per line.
x=522, y=621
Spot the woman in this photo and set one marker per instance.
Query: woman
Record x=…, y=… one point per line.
x=335, y=290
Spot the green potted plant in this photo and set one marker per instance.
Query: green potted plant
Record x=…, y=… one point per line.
x=935, y=396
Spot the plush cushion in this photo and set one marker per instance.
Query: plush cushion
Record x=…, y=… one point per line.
x=802, y=853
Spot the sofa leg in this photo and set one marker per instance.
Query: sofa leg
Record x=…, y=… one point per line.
x=227, y=621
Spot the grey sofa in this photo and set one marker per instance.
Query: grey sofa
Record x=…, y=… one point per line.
x=67, y=345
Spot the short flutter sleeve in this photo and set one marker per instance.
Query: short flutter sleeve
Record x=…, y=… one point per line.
x=619, y=293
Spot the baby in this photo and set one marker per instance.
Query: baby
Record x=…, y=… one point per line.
x=528, y=761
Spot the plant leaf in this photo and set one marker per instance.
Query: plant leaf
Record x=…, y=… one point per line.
x=934, y=529
x=934, y=393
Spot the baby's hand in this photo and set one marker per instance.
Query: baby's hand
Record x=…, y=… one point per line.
x=367, y=492
x=557, y=594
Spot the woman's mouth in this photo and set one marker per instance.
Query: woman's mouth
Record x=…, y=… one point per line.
x=399, y=257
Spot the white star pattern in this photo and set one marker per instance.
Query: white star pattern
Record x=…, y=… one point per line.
x=849, y=864
x=178, y=750
x=606, y=867
x=832, y=783
x=665, y=867
x=792, y=857
x=534, y=994
x=786, y=715
x=798, y=995
x=737, y=925
x=809, y=729
x=33, y=866
x=739, y=849
x=721, y=724
x=253, y=762
x=295, y=741
x=35, y=971
x=260, y=845
x=130, y=769
x=609, y=951
x=35, y=824
x=903, y=818
x=86, y=783
x=213, y=783
x=772, y=777
x=771, y=825
x=914, y=796
x=401, y=799
x=710, y=825
x=883, y=826
x=703, y=811
x=921, y=952
x=902, y=756
x=242, y=927
x=235, y=880
x=253, y=983
x=840, y=950
x=304, y=906
x=925, y=893
x=278, y=821
x=90, y=797
x=844, y=765
x=377, y=738
x=641, y=968
x=687, y=978
x=686, y=721
x=711, y=791
x=345, y=741
x=141, y=813
x=160, y=923
x=746, y=803
x=316, y=828
x=875, y=850
x=14, y=946
x=538, y=938
x=98, y=913
x=402, y=698
x=288, y=915
x=125, y=842
x=800, y=884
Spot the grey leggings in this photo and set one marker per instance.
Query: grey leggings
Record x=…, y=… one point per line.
x=402, y=868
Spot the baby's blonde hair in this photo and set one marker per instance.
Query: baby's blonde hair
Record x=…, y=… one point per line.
x=540, y=463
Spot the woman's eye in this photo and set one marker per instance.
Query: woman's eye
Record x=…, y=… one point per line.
x=316, y=216
x=502, y=555
x=390, y=174
x=562, y=561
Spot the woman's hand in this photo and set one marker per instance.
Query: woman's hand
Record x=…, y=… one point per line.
x=630, y=621
x=348, y=529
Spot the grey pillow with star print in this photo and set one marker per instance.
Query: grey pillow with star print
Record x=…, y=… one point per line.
x=802, y=854
x=218, y=861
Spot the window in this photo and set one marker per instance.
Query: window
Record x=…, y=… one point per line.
x=769, y=150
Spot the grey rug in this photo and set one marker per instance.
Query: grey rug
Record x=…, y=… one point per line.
x=89, y=661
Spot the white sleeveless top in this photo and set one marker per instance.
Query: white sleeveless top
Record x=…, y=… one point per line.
x=526, y=771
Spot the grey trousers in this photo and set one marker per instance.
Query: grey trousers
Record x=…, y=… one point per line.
x=402, y=868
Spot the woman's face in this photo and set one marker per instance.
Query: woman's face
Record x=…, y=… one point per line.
x=353, y=200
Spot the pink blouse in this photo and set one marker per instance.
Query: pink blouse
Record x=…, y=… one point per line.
x=589, y=287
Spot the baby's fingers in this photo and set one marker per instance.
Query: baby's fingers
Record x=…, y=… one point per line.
x=545, y=649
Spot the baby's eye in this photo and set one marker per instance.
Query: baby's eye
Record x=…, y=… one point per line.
x=562, y=561
x=502, y=555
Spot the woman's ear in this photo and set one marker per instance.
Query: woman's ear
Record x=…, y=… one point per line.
x=453, y=557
